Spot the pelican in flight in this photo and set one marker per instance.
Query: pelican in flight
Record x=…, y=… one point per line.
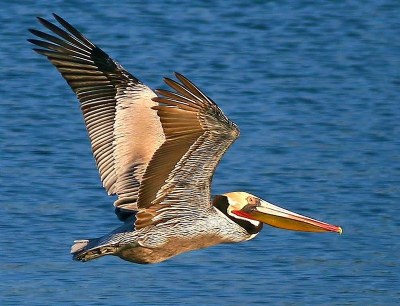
x=157, y=152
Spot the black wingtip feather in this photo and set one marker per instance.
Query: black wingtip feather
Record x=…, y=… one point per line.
x=32, y=41
x=42, y=20
x=59, y=19
x=71, y=29
x=40, y=51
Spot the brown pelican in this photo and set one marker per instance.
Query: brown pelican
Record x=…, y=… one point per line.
x=157, y=151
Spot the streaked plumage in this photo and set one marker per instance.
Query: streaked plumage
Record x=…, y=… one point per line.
x=157, y=153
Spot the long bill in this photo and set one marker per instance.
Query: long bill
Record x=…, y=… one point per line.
x=279, y=217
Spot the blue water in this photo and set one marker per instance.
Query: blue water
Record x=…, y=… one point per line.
x=315, y=91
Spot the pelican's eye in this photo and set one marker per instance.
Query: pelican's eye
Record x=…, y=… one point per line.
x=253, y=201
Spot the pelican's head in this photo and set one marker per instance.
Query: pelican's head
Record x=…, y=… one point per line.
x=251, y=212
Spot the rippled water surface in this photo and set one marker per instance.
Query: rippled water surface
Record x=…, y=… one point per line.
x=315, y=91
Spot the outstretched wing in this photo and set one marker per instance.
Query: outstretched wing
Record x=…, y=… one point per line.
x=123, y=128
x=177, y=181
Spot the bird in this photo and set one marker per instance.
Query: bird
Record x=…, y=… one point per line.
x=156, y=151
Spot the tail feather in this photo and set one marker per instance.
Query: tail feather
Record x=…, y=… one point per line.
x=79, y=245
x=109, y=244
x=88, y=249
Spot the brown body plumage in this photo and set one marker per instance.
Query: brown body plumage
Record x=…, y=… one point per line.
x=157, y=153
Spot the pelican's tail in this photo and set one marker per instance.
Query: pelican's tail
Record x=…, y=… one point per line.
x=85, y=250
x=109, y=244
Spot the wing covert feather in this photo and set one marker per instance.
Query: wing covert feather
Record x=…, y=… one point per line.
x=178, y=177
